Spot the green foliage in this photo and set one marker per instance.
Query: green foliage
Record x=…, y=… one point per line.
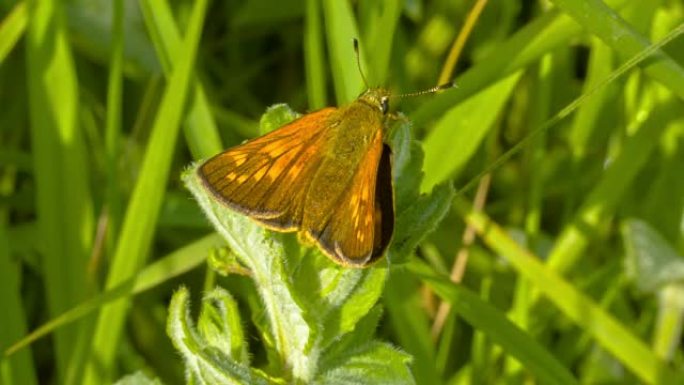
x=571, y=108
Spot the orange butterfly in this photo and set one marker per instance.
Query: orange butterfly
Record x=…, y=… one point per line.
x=326, y=174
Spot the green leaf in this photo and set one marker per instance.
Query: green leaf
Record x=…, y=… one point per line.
x=416, y=214
x=349, y=294
x=64, y=203
x=200, y=129
x=378, y=34
x=371, y=363
x=219, y=324
x=650, y=261
x=363, y=332
x=463, y=127
x=205, y=363
x=340, y=27
x=12, y=27
x=407, y=163
x=314, y=56
x=275, y=117
x=421, y=218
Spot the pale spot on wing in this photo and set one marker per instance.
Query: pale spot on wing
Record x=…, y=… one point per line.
x=260, y=174
x=274, y=149
x=237, y=158
x=231, y=176
x=242, y=179
x=275, y=170
x=295, y=169
x=278, y=167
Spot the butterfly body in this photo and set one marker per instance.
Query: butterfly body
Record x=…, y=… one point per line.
x=326, y=174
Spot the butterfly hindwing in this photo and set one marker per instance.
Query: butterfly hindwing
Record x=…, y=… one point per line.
x=359, y=229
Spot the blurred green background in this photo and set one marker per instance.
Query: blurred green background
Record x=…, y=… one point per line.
x=103, y=103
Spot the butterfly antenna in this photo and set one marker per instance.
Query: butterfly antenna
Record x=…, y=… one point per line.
x=432, y=90
x=358, y=61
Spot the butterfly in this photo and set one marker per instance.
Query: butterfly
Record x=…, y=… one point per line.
x=327, y=175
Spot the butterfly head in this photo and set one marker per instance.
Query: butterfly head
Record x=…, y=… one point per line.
x=378, y=98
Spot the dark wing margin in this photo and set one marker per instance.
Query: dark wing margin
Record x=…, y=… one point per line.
x=384, y=205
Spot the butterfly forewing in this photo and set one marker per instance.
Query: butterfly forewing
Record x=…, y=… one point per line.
x=268, y=177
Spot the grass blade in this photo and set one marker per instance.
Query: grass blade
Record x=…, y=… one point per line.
x=143, y=209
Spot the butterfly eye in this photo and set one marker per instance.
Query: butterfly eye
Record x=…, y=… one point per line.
x=384, y=104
